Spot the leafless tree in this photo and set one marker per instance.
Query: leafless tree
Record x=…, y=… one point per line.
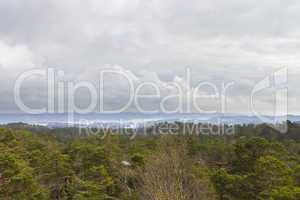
x=169, y=174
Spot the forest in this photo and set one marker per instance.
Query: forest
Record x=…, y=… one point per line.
x=255, y=163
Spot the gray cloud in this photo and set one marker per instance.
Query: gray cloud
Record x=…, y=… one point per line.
x=220, y=41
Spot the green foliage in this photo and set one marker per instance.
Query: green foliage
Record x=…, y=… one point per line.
x=297, y=175
x=247, y=152
x=138, y=160
x=285, y=193
x=255, y=172
x=270, y=172
x=16, y=179
x=255, y=164
x=226, y=184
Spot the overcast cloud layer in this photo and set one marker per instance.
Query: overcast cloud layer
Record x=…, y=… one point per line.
x=219, y=41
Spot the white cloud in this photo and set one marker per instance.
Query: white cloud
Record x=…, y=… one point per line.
x=15, y=58
x=220, y=41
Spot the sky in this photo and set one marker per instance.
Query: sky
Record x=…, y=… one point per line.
x=218, y=42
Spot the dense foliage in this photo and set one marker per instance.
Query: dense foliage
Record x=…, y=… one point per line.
x=255, y=163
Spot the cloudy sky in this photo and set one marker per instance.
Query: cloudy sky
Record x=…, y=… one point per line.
x=218, y=41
